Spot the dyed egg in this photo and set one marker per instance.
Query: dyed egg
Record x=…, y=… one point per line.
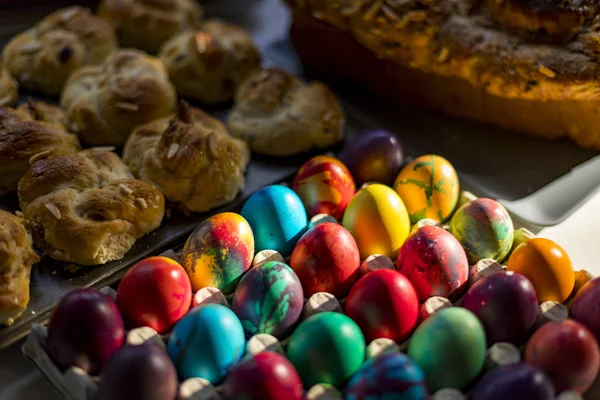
x=547, y=266
x=266, y=376
x=484, y=229
x=326, y=348
x=429, y=188
x=375, y=156
x=325, y=186
x=515, y=382
x=505, y=303
x=269, y=299
x=207, y=343
x=326, y=259
x=378, y=220
x=384, y=304
x=434, y=262
x=585, y=308
x=389, y=376
x=277, y=217
x=218, y=252
x=156, y=292
x=567, y=352
x=449, y=346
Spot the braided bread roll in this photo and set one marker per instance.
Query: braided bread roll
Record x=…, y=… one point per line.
x=9, y=91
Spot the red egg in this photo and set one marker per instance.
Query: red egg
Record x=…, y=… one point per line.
x=156, y=292
x=326, y=259
x=384, y=304
x=586, y=307
x=567, y=352
x=434, y=262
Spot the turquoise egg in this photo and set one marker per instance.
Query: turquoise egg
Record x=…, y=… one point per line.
x=207, y=343
x=277, y=217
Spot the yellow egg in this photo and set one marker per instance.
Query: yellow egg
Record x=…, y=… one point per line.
x=378, y=220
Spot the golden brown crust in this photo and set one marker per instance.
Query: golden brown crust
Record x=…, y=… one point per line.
x=87, y=208
x=9, y=91
x=190, y=158
x=43, y=57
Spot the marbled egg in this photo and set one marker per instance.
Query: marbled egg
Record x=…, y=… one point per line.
x=277, y=217
x=378, y=220
x=218, y=252
x=429, y=188
x=269, y=299
x=207, y=343
x=484, y=228
x=514, y=382
x=325, y=186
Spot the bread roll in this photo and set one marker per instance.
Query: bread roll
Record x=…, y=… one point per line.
x=9, y=92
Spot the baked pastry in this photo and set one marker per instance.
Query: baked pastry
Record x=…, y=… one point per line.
x=147, y=24
x=9, y=91
x=526, y=65
x=190, y=158
x=279, y=115
x=16, y=258
x=106, y=102
x=32, y=131
x=43, y=57
x=86, y=207
x=209, y=64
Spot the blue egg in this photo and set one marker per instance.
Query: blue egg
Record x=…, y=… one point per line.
x=277, y=217
x=207, y=343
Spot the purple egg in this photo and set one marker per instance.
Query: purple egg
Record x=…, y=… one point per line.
x=514, y=382
x=586, y=307
x=506, y=304
x=375, y=156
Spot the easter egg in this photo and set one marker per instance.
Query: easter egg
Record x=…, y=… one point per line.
x=325, y=186
x=156, y=292
x=429, y=188
x=547, y=266
x=277, y=217
x=484, y=229
x=567, y=352
x=514, y=382
x=207, y=343
x=326, y=259
x=326, y=348
x=389, y=376
x=269, y=299
x=218, y=252
x=266, y=376
x=449, y=346
x=378, y=220
x=375, y=156
x=506, y=304
x=435, y=263
x=585, y=308
x=384, y=304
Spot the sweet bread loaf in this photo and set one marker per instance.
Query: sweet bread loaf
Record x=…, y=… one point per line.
x=86, y=207
x=190, y=158
x=209, y=64
x=43, y=57
x=9, y=92
x=104, y=103
x=279, y=115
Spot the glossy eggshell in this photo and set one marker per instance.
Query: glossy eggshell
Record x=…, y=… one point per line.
x=585, y=308
x=325, y=186
x=567, y=352
x=218, y=252
x=156, y=292
x=484, y=228
x=277, y=217
x=506, y=304
x=326, y=259
x=378, y=220
x=384, y=304
x=326, y=348
x=547, y=266
x=266, y=376
x=449, y=346
x=389, y=376
x=514, y=382
x=429, y=188
x=434, y=262
x=269, y=299
x=207, y=343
